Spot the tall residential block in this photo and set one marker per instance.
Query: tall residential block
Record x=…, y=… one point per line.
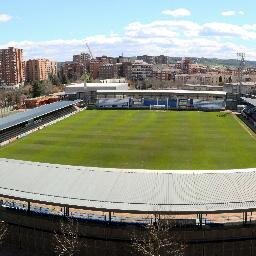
x=95, y=65
x=40, y=69
x=109, y=71
x=11, y=67
x=73, y=71
x=83, y=58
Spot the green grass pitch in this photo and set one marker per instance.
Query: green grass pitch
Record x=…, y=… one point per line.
x=141, y=139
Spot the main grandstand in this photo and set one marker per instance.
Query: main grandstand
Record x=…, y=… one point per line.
x=117, y=95
x=110, y=205
x=17, y=125
x=127, y=190
x=168, y=99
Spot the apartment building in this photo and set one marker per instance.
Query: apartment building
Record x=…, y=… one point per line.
x=83, y=58
x=95, y=65
x=126, y=70
x=161, y=59
x=11, y=67
x=73, y=70
x=147, y=59
x=164, y=72
x=40, y=69
x=141, y=70
x=204, y=79
x=109, y=71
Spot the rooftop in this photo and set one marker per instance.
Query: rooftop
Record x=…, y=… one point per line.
x=123, y=190
x=250, y=101
x=218, y=93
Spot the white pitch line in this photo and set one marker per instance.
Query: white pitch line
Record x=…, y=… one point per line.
x=245, y=127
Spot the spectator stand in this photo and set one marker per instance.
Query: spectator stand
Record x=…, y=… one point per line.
x=21, y=124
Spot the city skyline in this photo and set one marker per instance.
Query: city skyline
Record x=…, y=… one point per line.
x=175, y=28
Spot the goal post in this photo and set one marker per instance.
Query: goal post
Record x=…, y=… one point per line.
x=157, y=107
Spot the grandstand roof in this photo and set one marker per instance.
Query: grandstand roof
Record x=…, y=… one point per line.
x=175, y=92
x=250, y=101
x=128, y=190
x=21, y=117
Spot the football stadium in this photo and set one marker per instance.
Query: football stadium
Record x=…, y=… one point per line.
x=115, y=171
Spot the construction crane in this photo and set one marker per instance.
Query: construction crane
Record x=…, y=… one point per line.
x=88, y=47
x=86, y=72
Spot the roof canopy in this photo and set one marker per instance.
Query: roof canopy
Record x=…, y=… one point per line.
x=12, y=120
x=163, y=92
x=131, y=191
x=250, y=101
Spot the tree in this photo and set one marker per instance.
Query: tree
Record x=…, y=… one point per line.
x=62, y=77
x=47, y=87
x=37, y=89
x=54, y=79
x=66, y=240
x=87, y=78
x=158, y=241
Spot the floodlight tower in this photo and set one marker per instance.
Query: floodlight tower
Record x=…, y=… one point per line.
x=241, y=59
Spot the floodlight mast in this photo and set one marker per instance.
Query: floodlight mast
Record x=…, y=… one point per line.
x=241, y=59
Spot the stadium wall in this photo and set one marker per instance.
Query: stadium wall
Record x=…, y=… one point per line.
x=33, y=235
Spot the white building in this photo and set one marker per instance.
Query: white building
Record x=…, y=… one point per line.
x=202, y=87
x=85, y=90
x=245, y=88
x=213, y=79
x=205, y=79
x=114, y=80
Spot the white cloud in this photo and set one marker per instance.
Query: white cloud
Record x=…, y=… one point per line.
x=228, y=13
x=250, y=27
x=241, y=13
x=5, y=18
x=166, y=28
x=227, y=30
x=232, y=13
x=181, y=12
x=61, y=49
x=169, y=37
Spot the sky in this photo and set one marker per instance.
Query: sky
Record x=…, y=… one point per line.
x=57, y=29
